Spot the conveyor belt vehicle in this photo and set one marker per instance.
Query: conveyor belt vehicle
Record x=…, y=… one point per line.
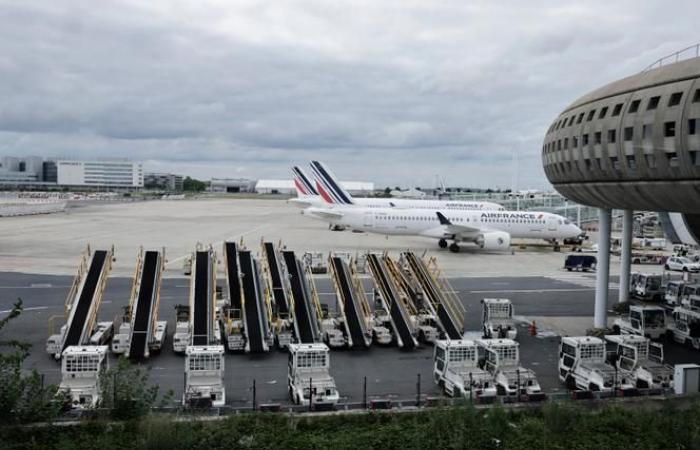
x=82, y=306
x=456, y=370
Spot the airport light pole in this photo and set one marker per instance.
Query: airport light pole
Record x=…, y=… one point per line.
x=602, y=269
x=625, y=256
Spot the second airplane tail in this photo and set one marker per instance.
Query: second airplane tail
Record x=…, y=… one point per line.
x=328, y=187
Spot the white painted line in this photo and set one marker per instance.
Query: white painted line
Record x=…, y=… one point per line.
x=31, y=308
x=535, y=290
x=34, y=286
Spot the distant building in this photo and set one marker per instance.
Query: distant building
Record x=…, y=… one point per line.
x=231, y=185
x=163, y=181
x=105, y=174
x=20, y=170
x=358, y=188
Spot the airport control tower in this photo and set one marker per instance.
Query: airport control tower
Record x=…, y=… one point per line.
x=633, y=144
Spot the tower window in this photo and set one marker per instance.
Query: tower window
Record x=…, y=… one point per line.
x=580, y=116
x=611, y=136
x=634, y=106
x=590, y=115
x=629, y=133
x=670, y=129
x=617, y=109
x=597, y=137
x=691, y=126
x=696, y=97
x=675, y=99
x=646, y=131
x=653, y=103
x=603, y=111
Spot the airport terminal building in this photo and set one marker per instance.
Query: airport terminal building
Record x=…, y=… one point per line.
x=633, y=144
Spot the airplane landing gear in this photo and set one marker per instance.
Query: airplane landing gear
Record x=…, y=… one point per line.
x=442, y=243
x=454, y=248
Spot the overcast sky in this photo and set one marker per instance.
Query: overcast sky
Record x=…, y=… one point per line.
x=393, y=92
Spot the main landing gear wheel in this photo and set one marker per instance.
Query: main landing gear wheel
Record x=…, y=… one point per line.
x=442, y=243
x=454, y=248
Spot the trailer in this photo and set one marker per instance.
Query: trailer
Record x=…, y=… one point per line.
x=502, y=361
x=583, y=366
x=497, y=319
x=643, y=320
x=82, y=368
x=308, y=376
x=456, y=370
x=641, y=359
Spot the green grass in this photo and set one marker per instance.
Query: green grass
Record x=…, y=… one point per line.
x=554, y=426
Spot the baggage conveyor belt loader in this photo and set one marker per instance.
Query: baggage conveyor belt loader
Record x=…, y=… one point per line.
x=204, y=356
x=82, y=306
x=141, y=333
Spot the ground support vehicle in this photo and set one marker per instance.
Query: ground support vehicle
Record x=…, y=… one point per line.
x=381, y=327
x=308, y=376
x=204, y=371
x=643, y=320
x=81, y=370
x=641, y=359
x=583, y=366
x=649, y=287
x=502, y=361
x=497, y=318
x=672, y=296
x=456, y=370
x=684, y=327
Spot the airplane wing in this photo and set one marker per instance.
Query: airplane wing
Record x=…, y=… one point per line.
x=460, y=230
x=326, y=213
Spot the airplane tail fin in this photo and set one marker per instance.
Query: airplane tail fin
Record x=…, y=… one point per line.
x=302, y=184
x=328, y=186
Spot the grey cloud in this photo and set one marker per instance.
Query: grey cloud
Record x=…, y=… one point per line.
x=393, y=92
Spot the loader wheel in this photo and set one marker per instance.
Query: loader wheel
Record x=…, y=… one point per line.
x=616, y=329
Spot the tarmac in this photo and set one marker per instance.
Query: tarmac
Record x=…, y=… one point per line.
x=39, y=256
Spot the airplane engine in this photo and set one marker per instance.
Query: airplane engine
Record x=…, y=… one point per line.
x=494, y=240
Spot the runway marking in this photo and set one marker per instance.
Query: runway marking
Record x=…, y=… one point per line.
x=34, y=286
x=31, y=308
x=236, y=237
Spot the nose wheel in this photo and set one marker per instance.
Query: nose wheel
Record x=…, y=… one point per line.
x=442, y=243
x=454, y=248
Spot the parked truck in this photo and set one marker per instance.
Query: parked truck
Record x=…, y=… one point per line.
x=583, y=366
x=309, y=378
x=641, y=360
x=497, y=319
x=501, y=358
x=643, y=320
x=456, y=370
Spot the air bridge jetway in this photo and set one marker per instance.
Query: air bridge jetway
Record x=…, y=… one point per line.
x=389, y=294
x=140, y=332
x=439, y=295
x=83, y=304
x=305, y=311
x=352, y=303
x=204, y=365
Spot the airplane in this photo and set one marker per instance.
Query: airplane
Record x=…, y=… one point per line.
x=490, y=230
x=329, y=192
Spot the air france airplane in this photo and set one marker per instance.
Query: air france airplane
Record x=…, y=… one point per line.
x=328, y=192
x=490, y=230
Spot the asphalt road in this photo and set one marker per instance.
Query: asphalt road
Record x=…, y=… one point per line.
x=390, y=373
